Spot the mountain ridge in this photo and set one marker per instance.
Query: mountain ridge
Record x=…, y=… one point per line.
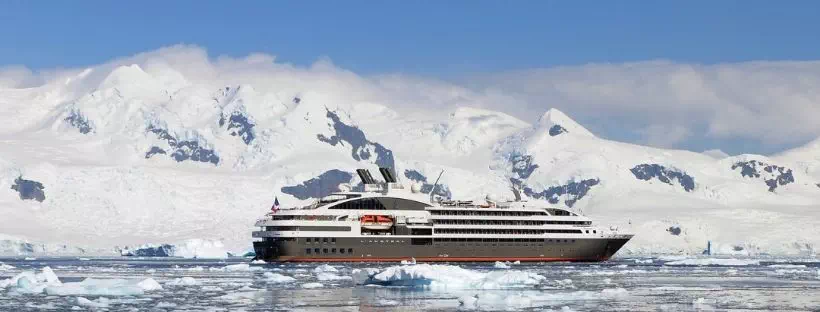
x=169, y=158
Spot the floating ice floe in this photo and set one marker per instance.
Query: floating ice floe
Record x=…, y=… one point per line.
x=5, y=267
x=788, y=266
x=48, y=282
x=312, y=285
x=516, y=301
x=30, y=282
x=183, y=281
x=244, y=296
x=324, y=268
x=105, y=287
x=241, y=267
x=324, y=276
x=714, y=262
x=276, y=278
x=101, y=302
x=564, y=283
x=258, y=262
x=445, y=276
x=501, y=265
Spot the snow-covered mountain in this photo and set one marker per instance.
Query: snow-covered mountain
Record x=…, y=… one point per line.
x=128, y=154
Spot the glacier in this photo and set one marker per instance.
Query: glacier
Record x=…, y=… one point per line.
x=146, y=156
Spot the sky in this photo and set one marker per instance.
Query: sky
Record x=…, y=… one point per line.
x=695, y=75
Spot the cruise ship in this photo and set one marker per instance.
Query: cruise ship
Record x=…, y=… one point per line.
x=388, y=222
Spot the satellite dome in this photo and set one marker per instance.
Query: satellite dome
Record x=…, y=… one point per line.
x=345, y=187
x=415, y=188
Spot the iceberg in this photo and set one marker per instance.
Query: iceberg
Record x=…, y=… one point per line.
x=30, y=282
x=445, y=276
x=501, y=265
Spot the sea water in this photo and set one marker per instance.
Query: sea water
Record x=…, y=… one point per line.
x=641, y=284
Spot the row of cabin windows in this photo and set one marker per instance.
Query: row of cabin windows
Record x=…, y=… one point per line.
x=508, y=222
x=323, y=240
x=503, y=240
x=487, y=213
x=504, y=231
x=361, y=204
x=303, y=217
x=328, y=250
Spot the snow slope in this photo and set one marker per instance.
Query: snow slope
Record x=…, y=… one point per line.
x=147, y=151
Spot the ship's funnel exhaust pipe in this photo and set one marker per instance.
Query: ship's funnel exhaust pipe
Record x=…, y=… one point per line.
x=388, y=175
x=364, y=174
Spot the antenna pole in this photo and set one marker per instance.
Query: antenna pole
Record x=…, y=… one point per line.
x=435, y=185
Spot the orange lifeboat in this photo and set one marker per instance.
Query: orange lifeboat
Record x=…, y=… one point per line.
x=372, y=222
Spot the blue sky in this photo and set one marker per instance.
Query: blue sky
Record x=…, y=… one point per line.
x=440, y=39
x=427, y=37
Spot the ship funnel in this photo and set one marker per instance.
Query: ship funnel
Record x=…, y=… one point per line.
x=364, y=174
x=388, y=175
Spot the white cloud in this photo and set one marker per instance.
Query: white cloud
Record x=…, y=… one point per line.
x=666, y=136
x=773, y=102
x=668, y=104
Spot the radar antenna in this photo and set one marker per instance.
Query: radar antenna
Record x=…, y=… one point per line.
x=435, y=185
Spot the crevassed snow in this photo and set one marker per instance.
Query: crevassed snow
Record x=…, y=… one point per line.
x=714, y=262
x=445, y=276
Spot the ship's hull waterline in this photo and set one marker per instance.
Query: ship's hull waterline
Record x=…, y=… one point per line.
x=390, y=249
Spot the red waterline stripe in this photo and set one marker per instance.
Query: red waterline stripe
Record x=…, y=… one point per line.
x=437, y=259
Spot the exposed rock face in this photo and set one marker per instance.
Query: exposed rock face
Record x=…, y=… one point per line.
x=648, y=172
x=361, y=148
x=239, y=125
x=442, y=190
x=522, y=166
x=29, y=189
x=573, y=190
x=154, y=150
x=674, y=230
x=326, y=183
x=181, y=150
x=772, y=175
x=77, y=120
x=556, y=130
